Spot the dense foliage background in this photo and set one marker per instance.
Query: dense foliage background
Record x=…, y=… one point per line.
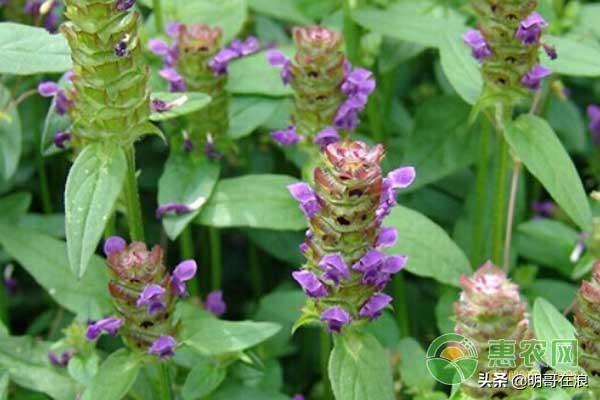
x=245, y=238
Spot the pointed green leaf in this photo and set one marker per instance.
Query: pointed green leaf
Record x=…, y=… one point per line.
x=431, y=252
x=4, y=381
x=45, y=258
x=549, y=324
x=254, y=75
x=246, y=113
x=286, y=10
x=536, y=144
x=359, y=368
x=203, y=379
x=92, y=189
x=10, y=135
x=460, y=68
x=182, y=104
x=576, y=57
x=13, y=206
x=187, y=179
x=116, y=376
x=27, y=50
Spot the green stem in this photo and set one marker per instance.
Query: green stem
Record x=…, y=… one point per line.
x=44, y=187
x=164, y=382
x=351, y=34
x=514, y=187
x=500, y=202
x=400, y=304
x=132, y=199
x=215, y=257
x=481, y=195
x=158, y=16
x=186, y=247
x=255, y=273
x=111, y=226
x=325, y=350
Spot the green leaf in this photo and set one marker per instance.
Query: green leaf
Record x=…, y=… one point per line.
x=212, y=336
x=444, y=310
x=4, y=381
x=184, y=103
x=431, y=252
x=460, y=68
x=411, y=21
x=413, y=370
x=10, y=134
x=548, y=243
x=281, y=245
x=257, y=201
x=203, y=380
x=246, y=113
x=45, y=258
x=93, y=186
x=358, y=368
x=566, y=119
x=550, y=325
x=27, y=50
x=385, y=329
x=254, y=75
x=187, y=179
x=536, y=144
x=27, y=363
x=241, y=392
x=442, y=143
x=559, y=293
x=13, y=206
x=576, y=57
x=116, y=376
x=286, y=10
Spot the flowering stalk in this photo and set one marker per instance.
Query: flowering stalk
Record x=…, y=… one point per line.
x=144, y=294
x=588, y=326
x=346, y=271
x=329, y=94
x=490, y=308
x=195, y=61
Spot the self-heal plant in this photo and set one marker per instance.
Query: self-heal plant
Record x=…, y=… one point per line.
x=144, y=294
x=587, y=324
x=329, y=94
x=346, y=269
x=490, y=308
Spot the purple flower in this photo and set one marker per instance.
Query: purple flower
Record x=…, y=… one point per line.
x=347, y=115
x=369, y=266
x=543, y=209
x=245, y=47
x=221, y=61
x=173, y=29
x=303, y=248
x=152, y=297
x=157, y=105
x=52, y=19
x=277, y=59
x=183, y=273
x=188, y=145
x=114, y=244
x=402, y=178
x=214, y=303
x=335, y=267
x=60, y=138
x=210, y=149
x=374, y=306
x=124, y=5
x=327, y=136
x=387, y=237
x=62, y=103
x=48, y=89
x=479, y=46
x=32, y=7
x=309, y=202
x=109, y=325
x=393, y=264
x=533, y=78
x=163, y=347
x=286, y=137
x=176, y=208
x=158, y=47
x=530, y=29
x=550, y=51
x=360, y=83
x=176, y=82
x=62, y=360
x=335, y=317
x=310, y=283
x=121, y=49
x=298, y=397
x=593, y=112
x=9, y=282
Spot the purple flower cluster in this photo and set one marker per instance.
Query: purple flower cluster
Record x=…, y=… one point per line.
x=51, y=12
x=479, y=46
x=236, y=50
x=109, y=325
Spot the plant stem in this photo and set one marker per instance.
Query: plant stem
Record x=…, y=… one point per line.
x=132, y=199
x=514, y=186
x=481, y=194
x=44, y=187
x=215, y=257
x=186, y=247
x=325, y=350
x=351, y=33
x=164, y=382
x=255, y=272
x=500, y=202
x=400, y=304
x=158, y=16
x=3, y=306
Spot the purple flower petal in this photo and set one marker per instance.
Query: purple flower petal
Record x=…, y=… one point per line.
x=393, y=264
x=62, y=360
x=276, y=58
x=593, y=112
x=114, y=244
x=176, y=208
x=530, y=29
x=9, y=282
x=336, y=317
x=214, y=303
x=109, y=325
x=375, y=305
x=152, y=297
x=327, y=136
x=158, y=47
x=48, y=89
x=550, y=51
x=402, y=178
x=309, y=202
x=62, y=102
x=286, y=137
x=533, y=78
x=60, y=138
x=479, y=46
x=124, y=5
x=387, y=237
x=335, y=267
x=163, y=347
x=182, y=273
x=173, y=29
x=310, y=283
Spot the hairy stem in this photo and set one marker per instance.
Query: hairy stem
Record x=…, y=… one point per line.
x=215, y=257
x=500, y=202
x=514, y=186
x=325, y=350
x=164, y=382
x=132, y=199
x=44, y=187
x=481, y=195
